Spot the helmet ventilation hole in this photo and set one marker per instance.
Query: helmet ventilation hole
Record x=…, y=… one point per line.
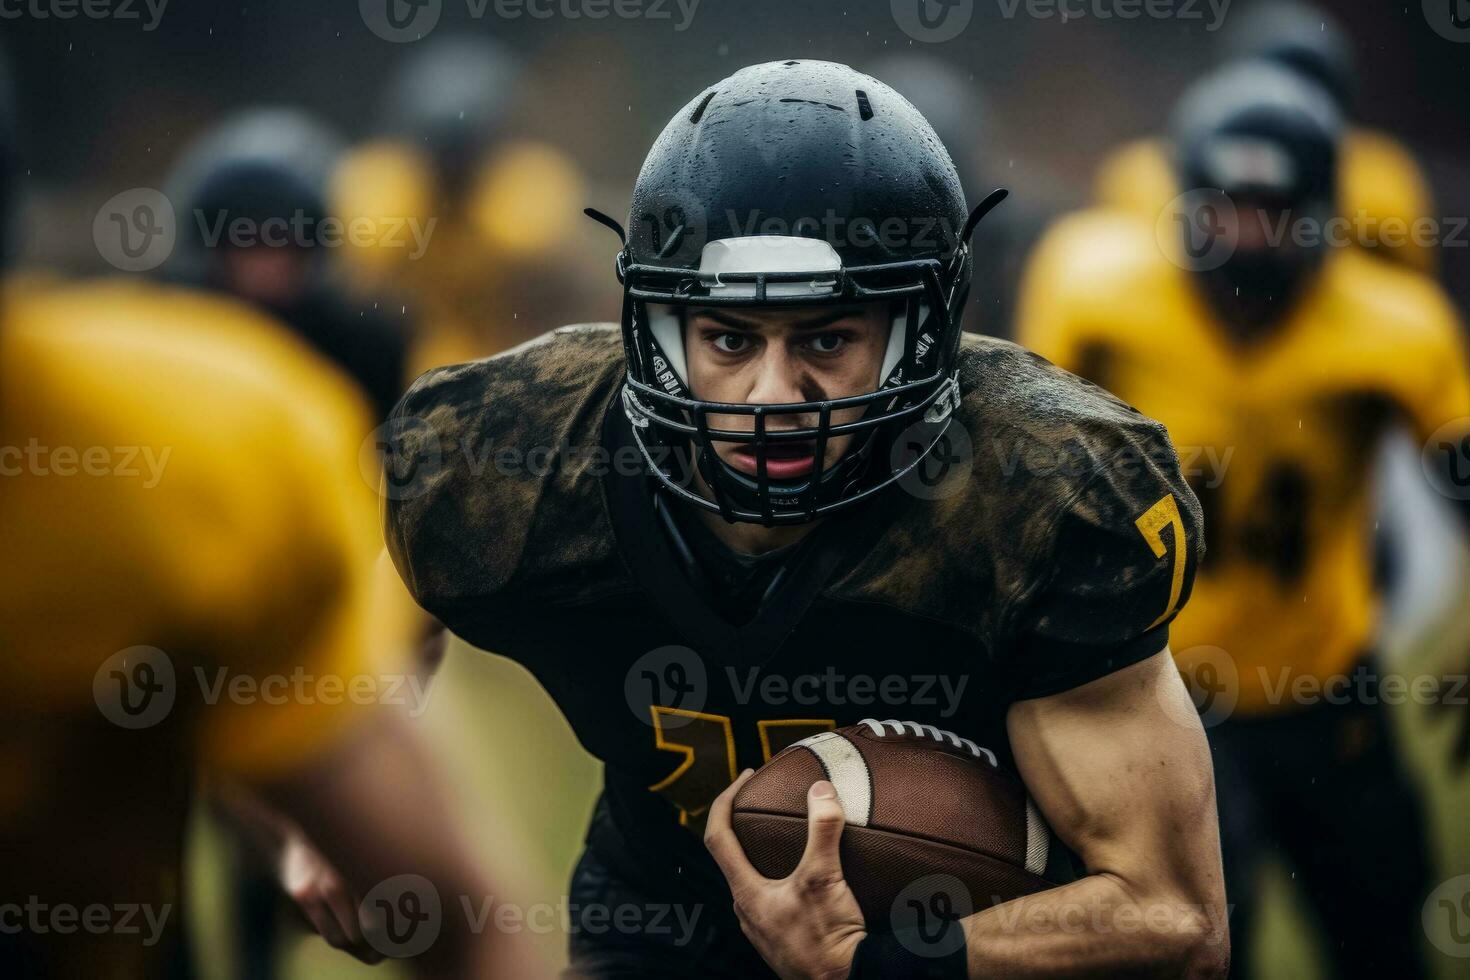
x=865, y=108
x=698, y=112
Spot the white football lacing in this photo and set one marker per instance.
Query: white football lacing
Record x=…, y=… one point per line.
x=929, y=731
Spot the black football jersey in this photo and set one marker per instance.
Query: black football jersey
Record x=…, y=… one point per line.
x=1048, y=543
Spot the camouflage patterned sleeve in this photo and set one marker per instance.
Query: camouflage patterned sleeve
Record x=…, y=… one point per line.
x=1115, y=568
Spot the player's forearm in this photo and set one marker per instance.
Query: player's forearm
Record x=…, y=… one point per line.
x=1099, y=926
x=261, y=827
x=384, y=823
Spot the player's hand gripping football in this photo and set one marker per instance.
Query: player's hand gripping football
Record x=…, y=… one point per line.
x=806, y=925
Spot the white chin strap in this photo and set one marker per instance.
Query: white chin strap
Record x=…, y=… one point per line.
x=768, y=253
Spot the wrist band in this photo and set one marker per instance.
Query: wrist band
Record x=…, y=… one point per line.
x=908, y=953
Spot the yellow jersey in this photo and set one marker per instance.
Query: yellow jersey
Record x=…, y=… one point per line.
x=190, y=579
x=1277, y=438
x=471, y=270
x=1381, y=190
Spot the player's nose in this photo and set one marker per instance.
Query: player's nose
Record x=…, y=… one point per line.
x=777, y=381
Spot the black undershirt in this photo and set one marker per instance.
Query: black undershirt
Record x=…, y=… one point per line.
x=736, y=584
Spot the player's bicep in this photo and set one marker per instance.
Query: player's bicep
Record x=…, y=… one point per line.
x=1122, y=772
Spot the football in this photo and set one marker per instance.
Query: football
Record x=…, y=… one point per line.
x=926, y=811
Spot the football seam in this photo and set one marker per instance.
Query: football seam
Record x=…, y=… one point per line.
x=904, y=833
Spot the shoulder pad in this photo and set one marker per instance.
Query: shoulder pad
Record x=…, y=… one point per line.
x=492, y=469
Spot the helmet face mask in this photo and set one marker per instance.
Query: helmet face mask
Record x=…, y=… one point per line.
x=793, y=226
x=915, y=384
x=1267, y=139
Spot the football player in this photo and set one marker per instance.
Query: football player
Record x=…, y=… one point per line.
x=1380, y=187
x=1280, y=362
x=484, y=211
x=266, y=172
x=742, y=480
x=190, y=569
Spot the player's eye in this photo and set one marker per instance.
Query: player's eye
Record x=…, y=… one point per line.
x=730, y=343
x=827, y=343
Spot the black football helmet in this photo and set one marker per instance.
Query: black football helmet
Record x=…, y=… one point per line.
x=450, y=98
x=1269, y=139
x=260, y=164
x=794, y=183
x=1301, y=37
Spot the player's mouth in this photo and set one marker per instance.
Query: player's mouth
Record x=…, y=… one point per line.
x=784, y=460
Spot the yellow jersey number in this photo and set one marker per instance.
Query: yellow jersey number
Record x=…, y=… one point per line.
x=707, y=743
x=1151, y=525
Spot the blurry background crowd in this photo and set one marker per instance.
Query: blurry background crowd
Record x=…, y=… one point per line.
x=470, y=152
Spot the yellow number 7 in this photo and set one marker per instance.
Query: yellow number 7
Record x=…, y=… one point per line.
x=1164, y=514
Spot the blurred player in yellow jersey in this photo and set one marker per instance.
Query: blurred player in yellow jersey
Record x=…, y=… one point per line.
x=256, y=223
x=1277, y=363
x=1380, y=184
x=190, y=582
x=487, y=212
x=192, y=586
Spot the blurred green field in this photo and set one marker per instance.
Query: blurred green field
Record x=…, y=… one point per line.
x=524, y=787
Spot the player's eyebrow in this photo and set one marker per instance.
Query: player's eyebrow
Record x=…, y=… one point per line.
x=735, y=322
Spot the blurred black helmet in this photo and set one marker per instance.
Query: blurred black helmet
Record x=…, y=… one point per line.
x=954, y=104
x=266, y=166
x=1304, y=38
x=1257, y=131
x=449, y=99
x=794, y=183
x=1268, y=138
